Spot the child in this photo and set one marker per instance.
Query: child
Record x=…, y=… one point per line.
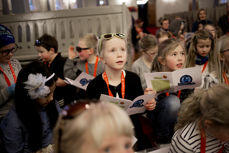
x=9, y=69
x=223, y=49
x=117, y=82
x=28, y=125
x=211, y=28
x=88, y=60
x=148, y=46
x=202, y=53
x=94, y=128
x=163, y=35
x=47, y=48
x=171, y=56
x=203, y=122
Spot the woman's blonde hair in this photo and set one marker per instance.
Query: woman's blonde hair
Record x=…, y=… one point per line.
x=221, y=45
x=206, y=104
x=213, y=61
x=94, y=123
x=163, y=50
x=147, y=42
x=90, y=41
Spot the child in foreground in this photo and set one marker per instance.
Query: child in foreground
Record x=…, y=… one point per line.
x=117, y=82
x=203, y=122
x=94, y=128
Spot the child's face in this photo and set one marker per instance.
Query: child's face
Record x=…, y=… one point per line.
x=175, y=59
x=151, y=53
x=225, y=54
x=203, y=47
x=6, y=53
x=46, y=100
x=44, y=54
x=85, y=53
x=115, y=53
x=211, y=29
x=110, y=144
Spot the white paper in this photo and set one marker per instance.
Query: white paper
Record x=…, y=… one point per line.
x=132, y=107
x=187, y=78
x=81, y=81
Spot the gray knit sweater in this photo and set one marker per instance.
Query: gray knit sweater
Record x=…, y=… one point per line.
x=6, y=99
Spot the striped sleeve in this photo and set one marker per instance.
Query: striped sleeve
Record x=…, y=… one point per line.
x=185, y=140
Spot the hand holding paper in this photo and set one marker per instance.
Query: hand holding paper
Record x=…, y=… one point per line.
x=132, y=107
x=81, y=81
x=173, y=81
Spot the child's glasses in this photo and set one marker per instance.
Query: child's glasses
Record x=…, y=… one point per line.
x=7, y=51
x=111, y=35
x=79, y=49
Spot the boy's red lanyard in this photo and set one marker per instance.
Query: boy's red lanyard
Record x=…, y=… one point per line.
x=5, y=76
x=225, y=78
x=122, y=85
x=178, y=94
x=205, y=65
x=95, y=69
x=203, y=142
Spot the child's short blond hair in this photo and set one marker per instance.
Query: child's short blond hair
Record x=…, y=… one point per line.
x=90, y=41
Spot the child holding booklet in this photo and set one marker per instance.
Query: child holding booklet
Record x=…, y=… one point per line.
x=202, y=53
x=88, y=60
x=117, y=82
x=171, y=56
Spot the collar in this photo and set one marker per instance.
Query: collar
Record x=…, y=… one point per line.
x=200, y=60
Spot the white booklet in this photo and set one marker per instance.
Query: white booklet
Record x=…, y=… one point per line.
x=132, y=107
x=186, y=78
x=81, y=81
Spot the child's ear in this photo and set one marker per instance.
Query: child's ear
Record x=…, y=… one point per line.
x=52, y=50
x=91, y=51
x=161, y=60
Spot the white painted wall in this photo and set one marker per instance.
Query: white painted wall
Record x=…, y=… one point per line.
x=163, y=7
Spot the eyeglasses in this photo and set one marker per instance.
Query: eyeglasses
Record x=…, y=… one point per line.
x=79, y=49
x=111, y=35
x=7, y=51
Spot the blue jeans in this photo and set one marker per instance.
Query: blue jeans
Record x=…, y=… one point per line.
x=164, y=116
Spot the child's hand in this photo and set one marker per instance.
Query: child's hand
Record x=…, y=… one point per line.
x=60, y=83
x=149, y=91
x=71, y=53
x=150, y=105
